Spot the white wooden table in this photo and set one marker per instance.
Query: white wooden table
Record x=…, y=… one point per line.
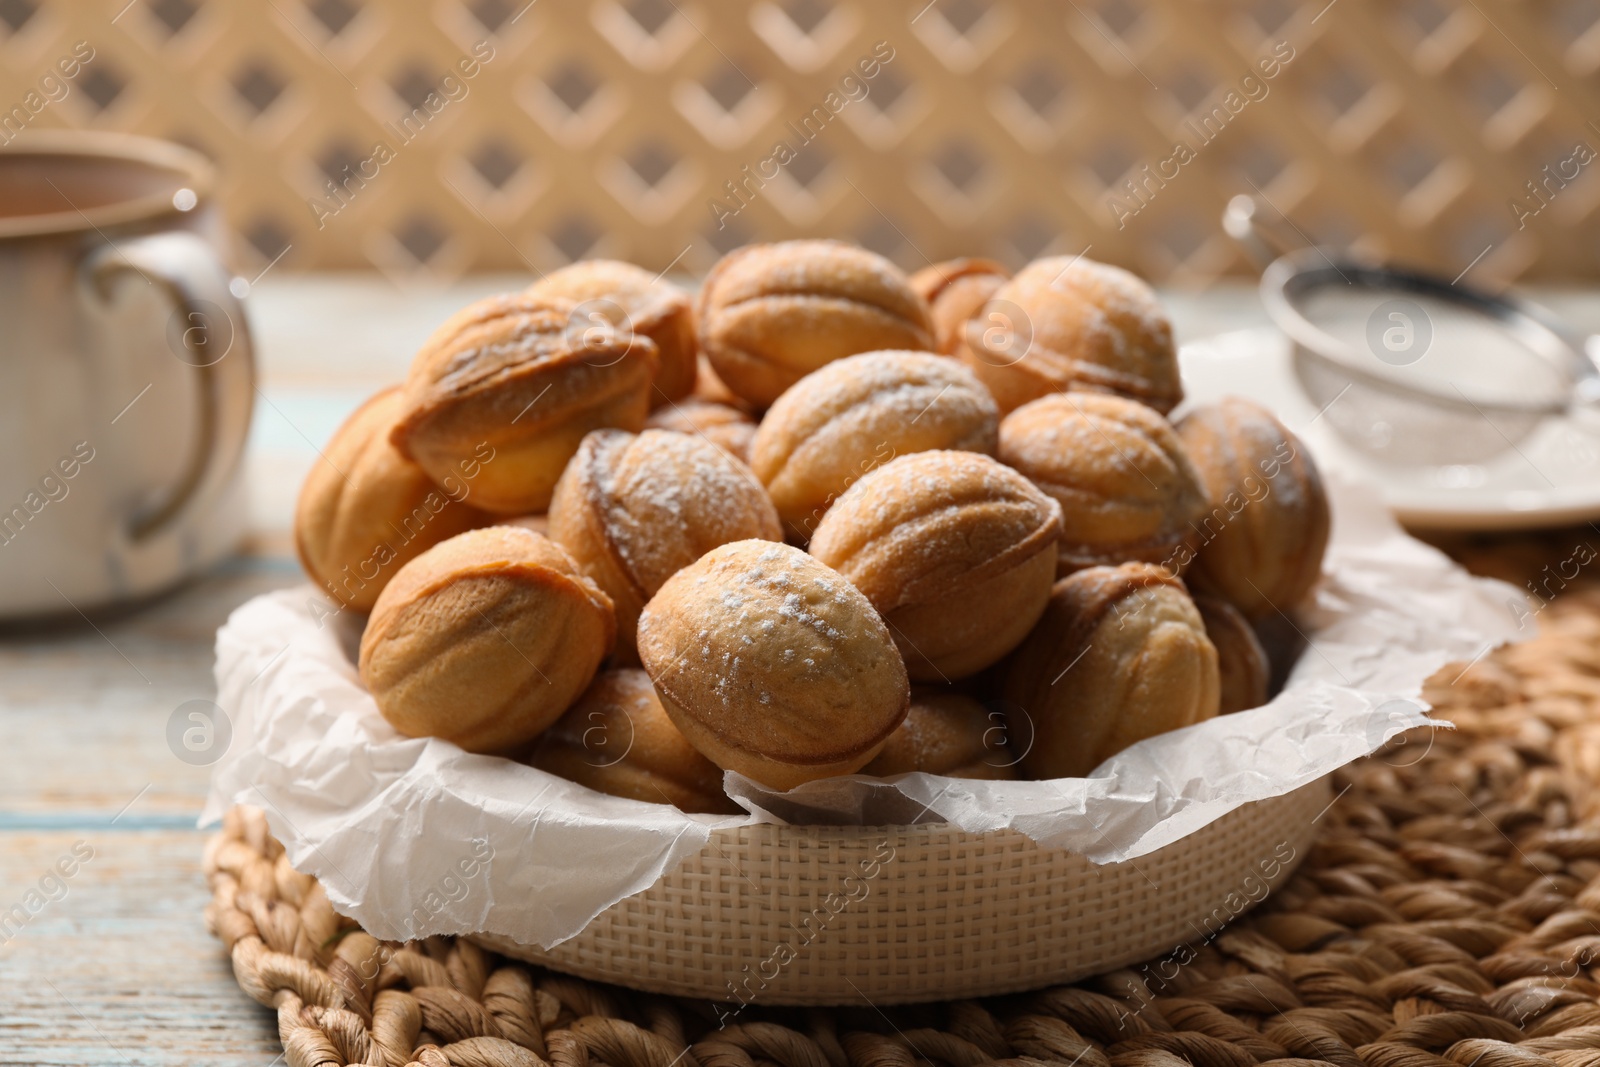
x=116, y=967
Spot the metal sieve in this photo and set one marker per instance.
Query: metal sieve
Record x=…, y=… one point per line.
x=1411, y=368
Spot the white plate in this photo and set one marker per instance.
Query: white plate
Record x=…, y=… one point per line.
x=1551, y=478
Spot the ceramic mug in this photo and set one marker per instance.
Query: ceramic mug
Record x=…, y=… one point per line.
x=126, y=373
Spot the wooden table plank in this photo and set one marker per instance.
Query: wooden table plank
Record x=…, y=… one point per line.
x=120, y=970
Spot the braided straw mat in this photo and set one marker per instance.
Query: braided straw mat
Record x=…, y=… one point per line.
x=1447, y=914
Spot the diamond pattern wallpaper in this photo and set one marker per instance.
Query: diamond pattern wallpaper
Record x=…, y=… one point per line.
x=433, y=137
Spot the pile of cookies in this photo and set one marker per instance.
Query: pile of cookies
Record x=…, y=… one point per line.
x=822, y=519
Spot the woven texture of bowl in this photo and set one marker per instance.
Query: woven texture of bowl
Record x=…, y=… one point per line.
x=777, y=914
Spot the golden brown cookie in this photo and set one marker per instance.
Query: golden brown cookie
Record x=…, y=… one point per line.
x=1071, y=323
x=632, y=510
x=507, y=388
x=771, y=314
x=856, y=414
x=955, y=550
x=605, y=292
x=773, y=665
x=725, y=426
x=617, y=739
x=365, y=510
x=954, y=291
x=707, y=386
x=1241, y=661
x=485, y=639
x=1124, y=481
x=946, y=733
x=538, y=522
x=1261, y=543
x=1120, y=655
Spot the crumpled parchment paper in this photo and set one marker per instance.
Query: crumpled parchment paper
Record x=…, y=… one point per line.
x=414, y=837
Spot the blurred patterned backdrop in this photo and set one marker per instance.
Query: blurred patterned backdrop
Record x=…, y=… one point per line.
x=433, y=137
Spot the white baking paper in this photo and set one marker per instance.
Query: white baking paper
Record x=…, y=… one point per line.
x=416, y=837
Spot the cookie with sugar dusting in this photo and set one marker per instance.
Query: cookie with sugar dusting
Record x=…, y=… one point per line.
x=1120, y=655
x=503, y=392
x=946, y=733
x=707, y=386
x=365, y=510
x=485, y=639
x=954, y=549
x=856, y=414
x=770, y=314
x=729, y=428
x=1262, y=541
x=1241, y=660
x=617, y=739
x=1125, y=482
x=1071, y=323
x=633, y=509
x=606, y=292
x=955, y=290
x=772, y=664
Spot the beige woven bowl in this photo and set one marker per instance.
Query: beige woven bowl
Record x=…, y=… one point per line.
x=776, y=914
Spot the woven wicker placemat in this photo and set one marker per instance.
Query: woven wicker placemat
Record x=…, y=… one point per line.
x=1448, y=913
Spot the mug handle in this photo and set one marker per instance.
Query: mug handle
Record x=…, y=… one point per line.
x=196, y=284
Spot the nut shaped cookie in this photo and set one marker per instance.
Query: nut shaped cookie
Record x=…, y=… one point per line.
x=605, y=291
x=1264, y=535
x=1071, y=323
x=1120, y=655
x=725, y=426
x=365, y=510
x=769, y=315
x=954, y=291
x=946, y=733
x=772, y=664
x=539, y=523
x=707, y=386
x=857, y=413
x=1241, y=661
x=634, y=509
x=485, y=639
x=955, y=550
x=617, y=739
x=510, y=387
x=1124, y=481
